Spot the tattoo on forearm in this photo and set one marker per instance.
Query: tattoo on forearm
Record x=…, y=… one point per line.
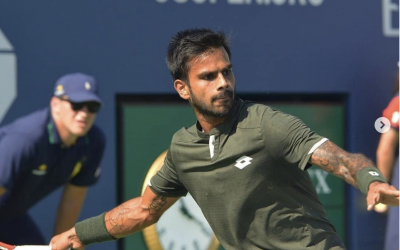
x=157, y=204
x=116, y=219
x=336, y=161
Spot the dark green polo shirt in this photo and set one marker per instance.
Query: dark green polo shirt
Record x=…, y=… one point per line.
x=248, y=178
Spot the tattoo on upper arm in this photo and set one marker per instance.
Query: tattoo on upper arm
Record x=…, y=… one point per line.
x=335, y=160
x=157, y=204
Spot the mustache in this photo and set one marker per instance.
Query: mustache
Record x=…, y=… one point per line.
x=225, y=94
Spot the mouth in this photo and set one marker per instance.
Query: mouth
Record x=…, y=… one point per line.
x=224, y=97
x=223, y=100
x=82, y=123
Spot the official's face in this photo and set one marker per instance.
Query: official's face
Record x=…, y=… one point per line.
x=211, y=83
x=77, y=122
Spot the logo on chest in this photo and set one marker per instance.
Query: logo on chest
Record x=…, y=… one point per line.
x=77, y=167
x=41, y=170
x=243, y=162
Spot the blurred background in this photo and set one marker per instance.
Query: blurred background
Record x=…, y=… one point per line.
x=330, y=62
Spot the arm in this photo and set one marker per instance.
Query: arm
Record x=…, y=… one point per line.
x=136, y=214
x=69, y=208
x=128, y=218
x=386, y=152
x=345, y=165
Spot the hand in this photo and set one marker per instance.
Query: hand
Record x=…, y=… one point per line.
x=67, y=240
x=382, y=193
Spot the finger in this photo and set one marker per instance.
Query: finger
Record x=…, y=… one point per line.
x=390, y=192
x=392, y=201
x=370, y=201
x=371, y=205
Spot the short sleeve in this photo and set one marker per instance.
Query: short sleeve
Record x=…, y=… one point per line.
x=392, y=113
x=288, y=138
x=166, y=181
x=90, y=170
x=16, y=153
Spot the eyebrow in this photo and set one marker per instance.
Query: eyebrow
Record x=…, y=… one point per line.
x=205, y=73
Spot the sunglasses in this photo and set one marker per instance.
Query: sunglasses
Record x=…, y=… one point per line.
x=93, y=107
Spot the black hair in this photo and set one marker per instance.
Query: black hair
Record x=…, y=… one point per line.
x=187, y=44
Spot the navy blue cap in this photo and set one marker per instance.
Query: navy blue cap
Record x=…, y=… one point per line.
x=77, y=87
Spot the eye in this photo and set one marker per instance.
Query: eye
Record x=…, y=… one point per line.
x=227, y=72
x=208, y=77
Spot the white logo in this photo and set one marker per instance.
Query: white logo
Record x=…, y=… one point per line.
x=59, y=90
x=87, y=85
x=373, y=173
x=39, y=172
x=248, y=2
x=8, y=75
x=390, y=9
x=320, y=176
x=243, y=161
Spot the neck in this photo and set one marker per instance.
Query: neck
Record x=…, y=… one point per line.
x=66, y=137
x=207, y=123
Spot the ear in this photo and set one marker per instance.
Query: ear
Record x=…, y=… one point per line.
x=55, y=105
x=182, y=88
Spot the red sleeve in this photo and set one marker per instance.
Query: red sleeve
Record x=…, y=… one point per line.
x=392, y=112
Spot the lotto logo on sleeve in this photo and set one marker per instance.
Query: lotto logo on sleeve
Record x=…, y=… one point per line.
x=373, y=173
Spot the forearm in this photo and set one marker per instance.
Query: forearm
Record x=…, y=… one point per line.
x=65, y=220
x=69, y=208
x=338, y=162
x=121, y=221
x=130, y=217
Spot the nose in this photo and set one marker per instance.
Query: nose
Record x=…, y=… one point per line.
x=222, y=82
x=85, y=109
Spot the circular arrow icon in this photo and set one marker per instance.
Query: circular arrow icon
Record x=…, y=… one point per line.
x=382, y=125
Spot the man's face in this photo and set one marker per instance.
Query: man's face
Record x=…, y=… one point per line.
x=77, y=121
x=211, y=83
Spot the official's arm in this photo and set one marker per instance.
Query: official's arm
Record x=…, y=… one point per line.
x=69, y=208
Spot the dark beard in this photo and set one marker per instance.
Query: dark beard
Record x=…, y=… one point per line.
x=202, y=108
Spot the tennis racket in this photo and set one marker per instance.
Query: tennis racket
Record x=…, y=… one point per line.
x=4, y=246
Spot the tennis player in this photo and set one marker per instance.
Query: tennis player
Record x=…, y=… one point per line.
x=243, y=163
